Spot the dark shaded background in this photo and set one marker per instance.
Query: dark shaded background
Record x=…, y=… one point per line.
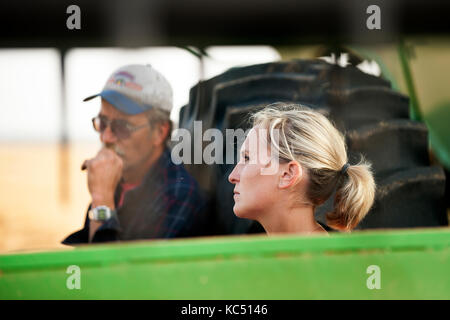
x=205, y=22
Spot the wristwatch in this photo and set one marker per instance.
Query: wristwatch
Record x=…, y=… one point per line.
x=101, y=213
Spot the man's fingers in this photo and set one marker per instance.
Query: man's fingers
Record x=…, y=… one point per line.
x=84, y=165
x=102, y=155
x=106, y=152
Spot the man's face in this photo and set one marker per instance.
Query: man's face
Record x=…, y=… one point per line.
x=134, y=150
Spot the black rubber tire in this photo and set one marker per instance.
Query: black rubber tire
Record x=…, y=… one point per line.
x=403, y=142
x=366, y=105
x=409, y=198
x=200, y=96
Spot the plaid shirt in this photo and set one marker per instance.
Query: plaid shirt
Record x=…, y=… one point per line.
x=167, y=204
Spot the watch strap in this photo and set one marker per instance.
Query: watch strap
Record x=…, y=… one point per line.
x=101, y=213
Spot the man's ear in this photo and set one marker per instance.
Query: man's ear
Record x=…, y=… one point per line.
x=291, y=174
x=160, y=133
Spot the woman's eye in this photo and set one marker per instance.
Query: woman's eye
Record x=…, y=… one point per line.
x=246, y=158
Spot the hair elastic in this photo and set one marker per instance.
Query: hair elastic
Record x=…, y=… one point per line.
x=344, y=168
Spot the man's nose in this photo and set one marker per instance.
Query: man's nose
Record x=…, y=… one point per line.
x=234, y=175
x=107, y=136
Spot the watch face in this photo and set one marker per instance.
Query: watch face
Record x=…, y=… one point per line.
x=101, y=214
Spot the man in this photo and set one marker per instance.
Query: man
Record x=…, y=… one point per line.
x=137, y=192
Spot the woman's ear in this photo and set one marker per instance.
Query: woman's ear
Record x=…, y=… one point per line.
x=291, y=173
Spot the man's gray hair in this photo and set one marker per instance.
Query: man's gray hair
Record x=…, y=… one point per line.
x=158, y=116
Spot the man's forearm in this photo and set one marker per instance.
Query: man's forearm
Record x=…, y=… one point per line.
x=93, y=227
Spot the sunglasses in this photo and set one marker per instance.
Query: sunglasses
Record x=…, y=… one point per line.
x=120, y=128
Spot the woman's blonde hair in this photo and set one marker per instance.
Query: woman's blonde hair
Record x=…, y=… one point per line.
x=309, y=138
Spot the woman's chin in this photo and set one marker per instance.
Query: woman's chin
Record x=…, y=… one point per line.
x=238, y=212
x=243, y=213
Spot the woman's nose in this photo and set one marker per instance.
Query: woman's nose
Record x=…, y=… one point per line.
x=234, y=175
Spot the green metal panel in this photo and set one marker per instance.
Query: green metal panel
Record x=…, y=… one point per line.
x=405, y=51
x=414, y=264
x=438, y=123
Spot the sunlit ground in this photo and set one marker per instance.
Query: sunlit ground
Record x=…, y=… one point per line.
x=36, y=210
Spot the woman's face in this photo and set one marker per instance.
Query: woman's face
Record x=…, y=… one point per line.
x=255, y=177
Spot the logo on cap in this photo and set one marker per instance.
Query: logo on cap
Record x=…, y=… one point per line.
x=124, y=79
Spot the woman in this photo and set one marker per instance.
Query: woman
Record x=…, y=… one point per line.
x=292, y=161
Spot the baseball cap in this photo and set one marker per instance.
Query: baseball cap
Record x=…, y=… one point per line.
x=136, y=88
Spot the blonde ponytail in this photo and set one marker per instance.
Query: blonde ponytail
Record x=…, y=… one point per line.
x=309, y=138
x=354, y=197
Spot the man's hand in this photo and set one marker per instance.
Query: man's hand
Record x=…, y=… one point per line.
x=104, y=173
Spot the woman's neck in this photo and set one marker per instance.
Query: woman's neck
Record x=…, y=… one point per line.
x=291, y=220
